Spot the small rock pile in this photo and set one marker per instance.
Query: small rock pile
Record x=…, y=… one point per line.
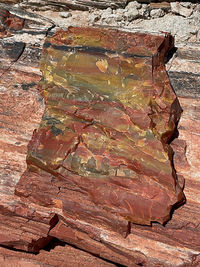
x=135, y=10
x=182, y=19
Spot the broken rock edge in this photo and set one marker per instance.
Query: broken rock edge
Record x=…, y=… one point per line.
x=169, y=150
x=157, y=61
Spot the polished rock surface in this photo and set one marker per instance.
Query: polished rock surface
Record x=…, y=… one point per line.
x=110, y=113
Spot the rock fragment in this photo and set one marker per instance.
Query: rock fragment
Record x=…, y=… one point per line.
x=133, y=5
x=157, y=13
x=180, y=9
x=144, y=11
x=131, y=14
x=65, y=14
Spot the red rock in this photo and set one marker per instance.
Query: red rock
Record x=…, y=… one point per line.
x=9, y=23
x=23, y=222
x=117, y=166
x=60, y=255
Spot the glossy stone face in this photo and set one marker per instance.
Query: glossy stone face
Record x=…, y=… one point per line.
x=110, y=113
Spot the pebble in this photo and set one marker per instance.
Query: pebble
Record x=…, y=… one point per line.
x=65, y=14
x=157, y=13
x=133, y=5
x=186, y=4
x=106, y=13
x=94, y=17
x=144, y=11
x=131, y=14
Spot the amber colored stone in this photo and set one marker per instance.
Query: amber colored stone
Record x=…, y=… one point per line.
x=110, y=114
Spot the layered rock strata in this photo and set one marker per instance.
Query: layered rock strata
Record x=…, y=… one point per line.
x=102, y=146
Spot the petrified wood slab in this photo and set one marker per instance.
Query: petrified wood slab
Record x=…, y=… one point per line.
x=24, y=225
x=83, y=4
x=101, y=153
x=74, y=4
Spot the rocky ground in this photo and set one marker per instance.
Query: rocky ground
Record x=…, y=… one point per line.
x=182, y=19
x=176, y=244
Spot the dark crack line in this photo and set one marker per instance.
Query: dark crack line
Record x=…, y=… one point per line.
x=14, y=61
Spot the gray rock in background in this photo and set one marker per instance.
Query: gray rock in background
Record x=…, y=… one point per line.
x=186, y=4
x=119, y=14
x=106, y=13
x=131, y=14
x=144, y=11
x=178, y=8
x=157, y=13
x=94, y=17
x=65, y=14
x=133, y=5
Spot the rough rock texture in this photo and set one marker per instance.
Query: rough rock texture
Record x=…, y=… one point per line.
x=58, y=255
x=23, y=223
x=77, y=4
x=9, y=23
x=110, y=113
x=184, y=70
x=156, y=16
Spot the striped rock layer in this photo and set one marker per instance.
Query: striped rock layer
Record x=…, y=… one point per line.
x=104, y=137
